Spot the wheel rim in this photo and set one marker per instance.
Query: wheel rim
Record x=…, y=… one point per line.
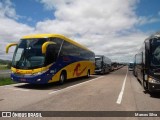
x=88, y=74
x=62, y=78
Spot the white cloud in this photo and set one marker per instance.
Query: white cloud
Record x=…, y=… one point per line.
x=10, y=29
x=106, y=27
x=7, y=9
x=96, y=24
x=94, y=14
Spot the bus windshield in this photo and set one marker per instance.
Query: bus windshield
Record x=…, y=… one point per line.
x=28, y=54
x=155, y=54
x=98, y=61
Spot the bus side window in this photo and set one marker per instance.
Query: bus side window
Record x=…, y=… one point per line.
x=58, y=42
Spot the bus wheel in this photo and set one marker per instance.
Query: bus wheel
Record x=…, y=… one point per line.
x=88, y=74
x=103, y=72
x=62, y=78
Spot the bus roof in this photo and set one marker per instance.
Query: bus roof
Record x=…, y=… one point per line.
x=99, y=55
x=155, y=35
x=57, y=36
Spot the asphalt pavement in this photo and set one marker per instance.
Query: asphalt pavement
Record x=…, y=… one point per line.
x=116, y=91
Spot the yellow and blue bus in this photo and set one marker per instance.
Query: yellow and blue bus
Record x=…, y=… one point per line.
x=46, y=58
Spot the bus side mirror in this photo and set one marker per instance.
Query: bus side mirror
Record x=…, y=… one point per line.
x=10, y=45
x=45, y=45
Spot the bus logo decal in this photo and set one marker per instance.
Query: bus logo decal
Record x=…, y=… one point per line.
x=76, y=70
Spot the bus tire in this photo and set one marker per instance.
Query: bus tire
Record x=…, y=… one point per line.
x=88, y=74
x=103, y=72
x=62, y=78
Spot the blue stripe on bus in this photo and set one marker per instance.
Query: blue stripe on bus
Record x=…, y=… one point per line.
x=45, y=77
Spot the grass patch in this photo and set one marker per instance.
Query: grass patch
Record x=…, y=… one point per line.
x=6, y=81
x=3, y=67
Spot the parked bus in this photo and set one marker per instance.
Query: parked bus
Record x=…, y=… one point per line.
x=103, y=64
x=130, y=66
x=46, y=58
x=147, y=63
x=134, y=66
x=114, y=66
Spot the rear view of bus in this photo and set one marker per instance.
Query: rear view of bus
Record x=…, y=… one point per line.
x=45, y=58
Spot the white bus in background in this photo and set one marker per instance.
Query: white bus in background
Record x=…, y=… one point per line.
x=103, y=64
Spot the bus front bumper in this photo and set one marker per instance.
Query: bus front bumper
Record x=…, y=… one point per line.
x=98, y=71
x=33, y=79
x=154, y=87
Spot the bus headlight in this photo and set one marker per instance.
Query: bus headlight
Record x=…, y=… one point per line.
x=38, y=80
x=152, y=80
x=39, y=73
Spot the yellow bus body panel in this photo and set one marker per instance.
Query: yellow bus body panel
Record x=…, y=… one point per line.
x=73, y=71
x=33, y=71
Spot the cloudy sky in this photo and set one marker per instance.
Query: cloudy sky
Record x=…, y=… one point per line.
x=115, y=28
